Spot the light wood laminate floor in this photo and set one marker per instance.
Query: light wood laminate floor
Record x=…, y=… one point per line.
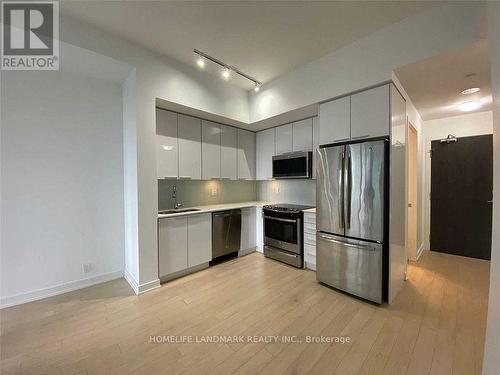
x=435, y=326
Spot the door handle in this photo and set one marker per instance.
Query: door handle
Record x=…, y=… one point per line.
x=280, y=219
x=346, y=244
x=341, y=189
x=490, y=201
x=361, y=136
x=347, y=189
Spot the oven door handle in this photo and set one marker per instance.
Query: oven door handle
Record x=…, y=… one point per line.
x=280, y=219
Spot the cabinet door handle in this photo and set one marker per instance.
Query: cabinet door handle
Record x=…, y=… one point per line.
x=185, y=177
x=361, y=136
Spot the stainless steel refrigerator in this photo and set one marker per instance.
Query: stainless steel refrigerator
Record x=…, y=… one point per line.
x=352, y=221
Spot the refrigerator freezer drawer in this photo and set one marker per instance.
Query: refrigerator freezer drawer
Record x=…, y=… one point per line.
x=353, y=266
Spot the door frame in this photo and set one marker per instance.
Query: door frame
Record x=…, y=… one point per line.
x=412, y=131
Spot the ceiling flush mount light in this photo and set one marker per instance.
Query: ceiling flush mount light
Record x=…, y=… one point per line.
x=200, y=62
x=471, y=90
x=469, y=106
x=226, y=73
x=227, y=69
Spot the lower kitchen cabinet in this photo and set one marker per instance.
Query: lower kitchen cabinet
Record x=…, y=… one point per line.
x=199, y=239
x=183, y=242
x=259, y=220
x=248, y=228
x=172, y=245
x=310, y=240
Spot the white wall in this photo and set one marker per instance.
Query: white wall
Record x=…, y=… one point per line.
x=460, y=126
x=155, y=77
x=491, y=362
x=370, y=60
x=414, y=118
x=62, y=183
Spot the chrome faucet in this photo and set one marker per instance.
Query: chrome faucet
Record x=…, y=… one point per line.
x=174, y=197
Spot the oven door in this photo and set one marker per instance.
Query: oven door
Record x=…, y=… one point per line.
x=282, y=233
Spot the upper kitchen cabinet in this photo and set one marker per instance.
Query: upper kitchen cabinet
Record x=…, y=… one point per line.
x=316, y=143
x=335, y=120
x=265, y=153
x=302, y=135
x=370, y=113
x=228, y=152
x=189, y=133
x=166, y=144
x=284, y=139
x=210, y=150
x=246, y=155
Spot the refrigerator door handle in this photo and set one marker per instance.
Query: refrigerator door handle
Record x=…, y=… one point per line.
x=341, y=189
x=347, y=244
x=347, y=189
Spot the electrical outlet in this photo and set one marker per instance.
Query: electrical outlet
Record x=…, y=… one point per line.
x=213, y=192
x=87, y=267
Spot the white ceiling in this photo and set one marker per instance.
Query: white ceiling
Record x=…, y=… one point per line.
x=263, y=39
x=435, y=84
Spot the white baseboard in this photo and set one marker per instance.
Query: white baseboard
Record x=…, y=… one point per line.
x=35, y=295
x=146, y=287
x=140, y=288
x=131, y=281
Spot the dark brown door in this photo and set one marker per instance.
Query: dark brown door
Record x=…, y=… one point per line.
x=461, y=196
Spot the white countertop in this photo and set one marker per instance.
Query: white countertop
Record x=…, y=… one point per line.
x=214, y=207
x=311, y=210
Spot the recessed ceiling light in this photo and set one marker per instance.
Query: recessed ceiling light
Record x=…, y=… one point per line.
x=471, y=90
x=226, y=73
x=201, y=62
x=469, y=106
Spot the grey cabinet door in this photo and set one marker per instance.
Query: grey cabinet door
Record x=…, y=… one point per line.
x=210, y=150
x=370, y=113
x=167, y=162
x=303, y=135
x=335, y=121
x=246, y=155
x=199, y=239
x=229, y=152
x=189, y=133
x=284, y=139
x=172, y=245
x=265, y=153
x=248, y=228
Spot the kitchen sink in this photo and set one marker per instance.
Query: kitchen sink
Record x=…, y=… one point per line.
x=177, y=211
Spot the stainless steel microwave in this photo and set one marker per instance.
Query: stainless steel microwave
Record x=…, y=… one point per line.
x=293, y=165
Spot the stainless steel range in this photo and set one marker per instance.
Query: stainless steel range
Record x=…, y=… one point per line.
x=283, y=228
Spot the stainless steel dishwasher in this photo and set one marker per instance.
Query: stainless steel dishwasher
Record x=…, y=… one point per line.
x=226, y=232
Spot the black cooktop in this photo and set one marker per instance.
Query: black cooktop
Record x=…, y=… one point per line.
x=285, y=207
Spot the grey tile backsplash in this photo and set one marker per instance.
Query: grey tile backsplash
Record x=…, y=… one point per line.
x=287, y=191
x=198, y=193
